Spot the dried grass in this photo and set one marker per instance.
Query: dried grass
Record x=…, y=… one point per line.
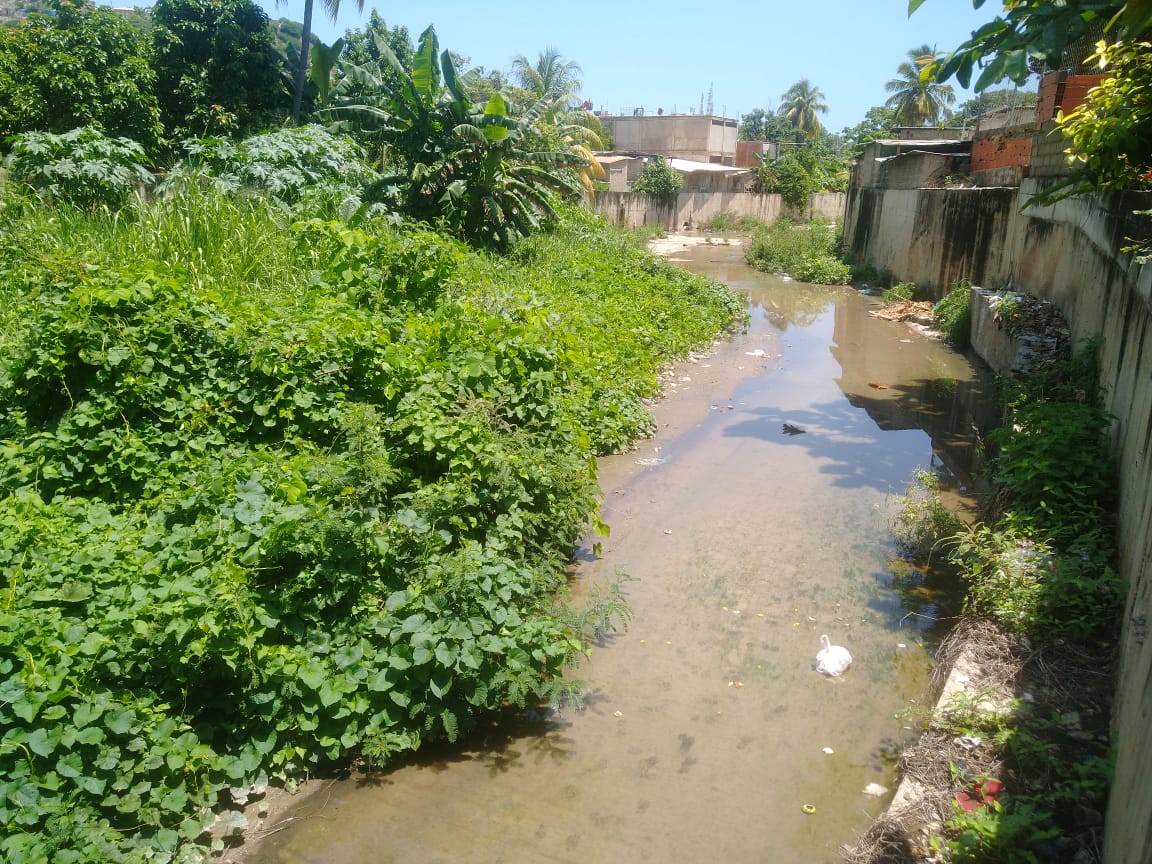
x=1058, y=677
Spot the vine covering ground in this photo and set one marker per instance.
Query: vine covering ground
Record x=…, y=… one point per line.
x=277, y=493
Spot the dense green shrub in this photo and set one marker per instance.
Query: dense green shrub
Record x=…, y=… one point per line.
x=1047, y=566
x=216, y=70
x=84, y=167
x=83, y=65
x=659, y=180
x=286, y=164
x=805, y=251
x=271, y=496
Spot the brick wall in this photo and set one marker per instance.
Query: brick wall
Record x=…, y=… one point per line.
x=1002, y=148
x=1062, y=91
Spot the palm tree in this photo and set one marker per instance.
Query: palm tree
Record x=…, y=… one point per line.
x=550, y=77
x=800, y=104
x=916, y=97
x=332, y=7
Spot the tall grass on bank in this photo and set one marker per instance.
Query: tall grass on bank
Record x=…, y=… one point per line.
x=806, y=251
x=277, y=490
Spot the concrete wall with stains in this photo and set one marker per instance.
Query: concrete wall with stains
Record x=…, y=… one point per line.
x=1066, y=252
x=633, y=209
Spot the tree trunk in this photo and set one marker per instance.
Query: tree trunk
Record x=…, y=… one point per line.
x=302, y=69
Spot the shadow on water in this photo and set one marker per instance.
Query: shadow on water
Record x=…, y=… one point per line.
x=706, y=733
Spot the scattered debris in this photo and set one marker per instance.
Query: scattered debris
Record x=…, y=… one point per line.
x=918, y=311
x=875, y=790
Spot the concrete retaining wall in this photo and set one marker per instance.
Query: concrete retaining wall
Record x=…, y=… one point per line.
x=633, y=209
x=1065, y=252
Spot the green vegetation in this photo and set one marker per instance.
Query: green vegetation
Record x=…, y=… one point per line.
x=805, y=168
x=216, y=70
x=877, y=123
x=277, y=490
x=1041, y=567
x=761, y=125
x=727, y=220
x=903, y=291
x=801, y=104
x=659, y=180
x=1054, y=774
x=83, y=167
x=1041, y=562
x=1036, y=30
x=921, y=519
x=1110, y=135
x=952, y=315
x=80, y=67
x=475, y=170
x=286, y=165
x=917, y=98
x=805, y=251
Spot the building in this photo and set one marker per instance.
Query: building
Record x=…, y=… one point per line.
x=695, y=137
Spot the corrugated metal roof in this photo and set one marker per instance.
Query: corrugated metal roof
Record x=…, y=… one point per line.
x=687, y=166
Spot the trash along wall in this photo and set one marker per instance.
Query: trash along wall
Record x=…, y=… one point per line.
x=1067, y=252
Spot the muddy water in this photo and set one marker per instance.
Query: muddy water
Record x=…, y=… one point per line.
x=704, y=735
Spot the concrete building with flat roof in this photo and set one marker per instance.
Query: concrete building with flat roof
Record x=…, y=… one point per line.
x=695, y=137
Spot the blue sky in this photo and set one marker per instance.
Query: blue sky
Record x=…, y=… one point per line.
x=667, y=54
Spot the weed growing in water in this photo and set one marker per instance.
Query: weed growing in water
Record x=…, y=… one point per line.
x=806, y=251
x=952, y=315
x=922, y=521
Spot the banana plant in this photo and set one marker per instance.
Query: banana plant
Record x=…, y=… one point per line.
x=470, y=169
x=324, y=61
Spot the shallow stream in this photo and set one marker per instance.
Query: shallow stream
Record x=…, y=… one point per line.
x=705, y=732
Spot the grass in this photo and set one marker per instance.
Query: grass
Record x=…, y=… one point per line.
x=728, y=220
x=805, y=251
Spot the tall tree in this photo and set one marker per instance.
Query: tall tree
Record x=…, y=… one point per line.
x=917, y=98
x=761, y=125
x=800, y=104
x=550, y=77
x=877, y=123
x=332, y=7
x=84, y=66
x=216, y=69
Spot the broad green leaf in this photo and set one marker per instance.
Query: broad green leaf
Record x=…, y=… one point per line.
x=120, y=720
x=311, y=674
x=43, y=741
x=70, y=765
x=348, y=655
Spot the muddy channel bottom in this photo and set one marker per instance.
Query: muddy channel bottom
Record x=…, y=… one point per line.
x=704, y=734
